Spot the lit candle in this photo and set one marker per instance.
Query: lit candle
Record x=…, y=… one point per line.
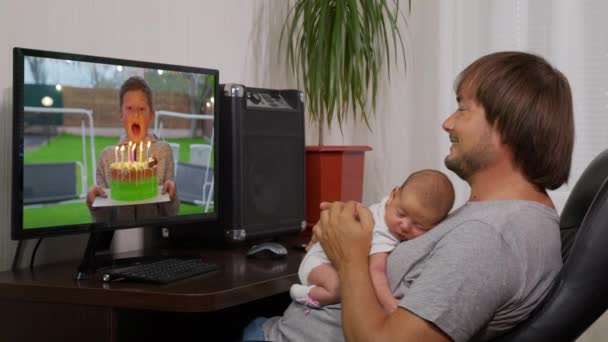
x=148, y=155
x=116, y=154
x=133, y=152
x=141, y=149
x=122, y=153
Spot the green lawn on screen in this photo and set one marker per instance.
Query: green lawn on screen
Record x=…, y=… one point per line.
x=77, y=213
x=68, y=148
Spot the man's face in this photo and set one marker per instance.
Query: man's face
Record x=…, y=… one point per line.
x=136, y=115
x=474, y=141
x=405, y=217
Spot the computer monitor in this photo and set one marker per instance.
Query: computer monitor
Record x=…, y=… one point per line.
x=74, y=131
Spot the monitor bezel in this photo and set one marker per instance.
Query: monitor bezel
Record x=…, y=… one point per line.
x=17, y=230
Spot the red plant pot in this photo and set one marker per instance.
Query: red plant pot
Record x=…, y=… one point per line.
x=333, y=173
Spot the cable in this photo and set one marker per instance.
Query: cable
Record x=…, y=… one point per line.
x=34, y=253
x=17, y=256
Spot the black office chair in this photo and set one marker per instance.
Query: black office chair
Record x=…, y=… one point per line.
x=579, y=295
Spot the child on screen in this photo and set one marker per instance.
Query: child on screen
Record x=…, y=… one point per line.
x=136, y=113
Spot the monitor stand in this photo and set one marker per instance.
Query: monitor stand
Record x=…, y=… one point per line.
x=99, y=255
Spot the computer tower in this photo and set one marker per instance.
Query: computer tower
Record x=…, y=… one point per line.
x=262, y=183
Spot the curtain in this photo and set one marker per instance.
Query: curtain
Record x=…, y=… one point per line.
x=443, y=37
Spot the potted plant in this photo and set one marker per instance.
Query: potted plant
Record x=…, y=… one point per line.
x=337, y=49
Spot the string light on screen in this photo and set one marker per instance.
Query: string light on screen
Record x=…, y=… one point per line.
x=160, y=72
x=119, y=68
x=58, y=87
x=47, y=101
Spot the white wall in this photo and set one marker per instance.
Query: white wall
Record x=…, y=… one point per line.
x=6, y=40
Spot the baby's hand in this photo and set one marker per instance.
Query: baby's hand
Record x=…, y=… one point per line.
x=169, y=187
x=313, y=240
x=93, y=193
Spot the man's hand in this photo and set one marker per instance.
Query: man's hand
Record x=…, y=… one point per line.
x=94, y=192
x=169, y=187
x=345, y=232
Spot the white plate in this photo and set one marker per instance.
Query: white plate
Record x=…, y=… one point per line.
x=108, y=202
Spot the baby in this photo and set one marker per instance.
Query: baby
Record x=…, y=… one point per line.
x=414, y=208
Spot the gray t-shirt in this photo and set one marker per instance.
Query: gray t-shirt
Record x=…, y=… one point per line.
x=475, y=275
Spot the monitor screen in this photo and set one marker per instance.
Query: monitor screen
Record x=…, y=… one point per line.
x=104, y=143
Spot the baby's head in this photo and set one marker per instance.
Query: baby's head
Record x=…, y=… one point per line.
x=422, y=201
x=136, y=111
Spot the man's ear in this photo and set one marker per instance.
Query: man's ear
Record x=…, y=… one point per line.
x=120, y=116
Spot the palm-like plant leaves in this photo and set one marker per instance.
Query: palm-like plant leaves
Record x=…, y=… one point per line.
x=337, y=49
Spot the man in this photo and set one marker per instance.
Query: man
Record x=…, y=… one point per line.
x=484, y=268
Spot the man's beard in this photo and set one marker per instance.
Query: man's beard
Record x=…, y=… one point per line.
x=468, y=163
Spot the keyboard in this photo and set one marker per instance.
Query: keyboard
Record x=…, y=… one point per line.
x=161, y=272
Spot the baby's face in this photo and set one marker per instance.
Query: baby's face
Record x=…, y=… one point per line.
x=136, y=115
x=406, y=218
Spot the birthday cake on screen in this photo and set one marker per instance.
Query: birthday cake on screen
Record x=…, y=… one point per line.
x=132, y=178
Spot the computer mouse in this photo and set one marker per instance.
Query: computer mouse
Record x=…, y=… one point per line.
x=267, y=250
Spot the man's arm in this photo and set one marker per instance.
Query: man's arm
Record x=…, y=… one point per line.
x=364, y=319
x=377, y=270
x=101, y=214
x=346, y=242
x=170, y=208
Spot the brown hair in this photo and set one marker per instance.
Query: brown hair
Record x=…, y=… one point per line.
x=136, y=83
x=433, y=189
x=530, y=104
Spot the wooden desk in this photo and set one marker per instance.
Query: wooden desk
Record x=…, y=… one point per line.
x=47, y=305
